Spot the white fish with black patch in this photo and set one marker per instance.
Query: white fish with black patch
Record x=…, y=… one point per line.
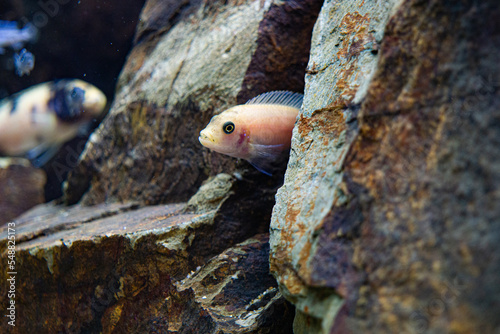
x=37, y=121
x=258, y=131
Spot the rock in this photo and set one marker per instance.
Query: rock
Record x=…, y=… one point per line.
x=343, y=58
x=116, y=268
x=387, y=220
x=192, y=59
x=125, y=267
x=230, y=288
x=21, y=187
x=211, y=194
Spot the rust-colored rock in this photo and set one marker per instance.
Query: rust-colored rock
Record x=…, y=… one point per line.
x=21, y=187
x=343, y=58
x=388, y=218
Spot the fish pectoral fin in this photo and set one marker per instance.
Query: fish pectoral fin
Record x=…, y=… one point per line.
x=262, y=166
x=41, y=154
x=270, y=152
x=264, y=157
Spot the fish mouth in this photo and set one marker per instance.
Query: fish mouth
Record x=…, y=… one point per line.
x=204, y=139
x=207, y=140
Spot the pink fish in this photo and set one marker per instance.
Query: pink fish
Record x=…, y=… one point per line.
x=258, y=131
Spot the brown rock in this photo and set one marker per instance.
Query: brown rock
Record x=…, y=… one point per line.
x=193, y=59
x=238, y=291
x=21, y=187
x=116, y=268
x=388, y=219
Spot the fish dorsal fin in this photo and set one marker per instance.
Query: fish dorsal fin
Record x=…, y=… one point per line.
x=281, y=97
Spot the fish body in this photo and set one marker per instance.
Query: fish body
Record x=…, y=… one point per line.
x=258, y=131
x=13, y=37
x=40, y=119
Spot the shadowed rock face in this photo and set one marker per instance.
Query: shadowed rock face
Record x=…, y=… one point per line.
x=189, y=64
x=21, y=187
x=116, y=268
x=388, y=217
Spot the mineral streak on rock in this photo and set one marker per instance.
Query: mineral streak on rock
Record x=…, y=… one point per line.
x=343, y=58
x=399, y=229
x=193, y=59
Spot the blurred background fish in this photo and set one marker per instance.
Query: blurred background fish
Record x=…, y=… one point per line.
x=13, y=37
x=35, y=122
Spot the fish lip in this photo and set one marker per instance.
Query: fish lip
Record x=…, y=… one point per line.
x=208, y=142
x=203, y=138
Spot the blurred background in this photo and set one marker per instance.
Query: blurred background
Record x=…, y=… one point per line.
x=87, y=40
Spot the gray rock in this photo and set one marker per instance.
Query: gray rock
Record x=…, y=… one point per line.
x=387, y=221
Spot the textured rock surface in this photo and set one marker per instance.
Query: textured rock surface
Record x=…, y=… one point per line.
x=230, y=289
x=388, y=219
x=344, y=55
x=21, y=187
x=193, y=59
x=117, y=268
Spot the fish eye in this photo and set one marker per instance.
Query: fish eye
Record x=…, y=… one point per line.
x=77, y=94
x=228, y=127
